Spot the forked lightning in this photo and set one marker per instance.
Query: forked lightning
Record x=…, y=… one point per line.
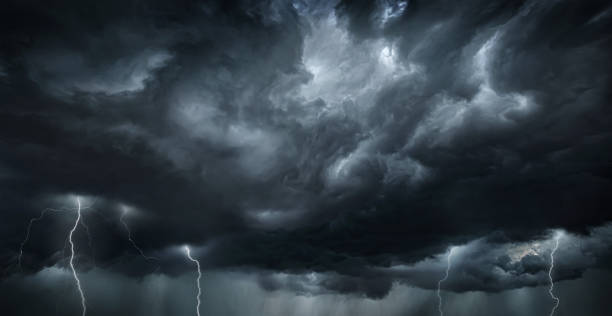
x=188, y=251
x=129, y=232
x=550, y=270
x=448, y=267
x=74, y=274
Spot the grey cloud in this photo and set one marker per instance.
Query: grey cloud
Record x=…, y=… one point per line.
x=67, y=73
x=239, y=294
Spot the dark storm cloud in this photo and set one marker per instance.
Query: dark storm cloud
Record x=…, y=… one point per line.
x=344, y=139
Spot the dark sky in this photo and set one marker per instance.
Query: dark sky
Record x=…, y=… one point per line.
x=319, y=157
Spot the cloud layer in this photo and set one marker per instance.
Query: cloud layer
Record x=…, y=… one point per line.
x=328, y=147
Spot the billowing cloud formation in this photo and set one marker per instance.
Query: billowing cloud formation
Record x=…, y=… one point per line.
x=332, y=147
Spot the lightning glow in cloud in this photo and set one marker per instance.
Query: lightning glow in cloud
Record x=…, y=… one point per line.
x=74, y=274
x=188, y=251
x=448, y=267
x=550, y=270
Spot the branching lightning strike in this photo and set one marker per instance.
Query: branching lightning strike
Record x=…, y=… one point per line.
x=448, y=267
x=550, y=270
x=27, y=236
x=69, y=243
x=74, y=274
x=188, y=251
x=129, y=232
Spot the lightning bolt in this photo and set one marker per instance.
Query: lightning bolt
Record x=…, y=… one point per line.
x=448, y=267
x=74, y=274
x=127, y=228
x=27, y=236
x=550, y=270
x=188, y=251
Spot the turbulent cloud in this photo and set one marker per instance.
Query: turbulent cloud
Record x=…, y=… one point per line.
x=328, y=147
